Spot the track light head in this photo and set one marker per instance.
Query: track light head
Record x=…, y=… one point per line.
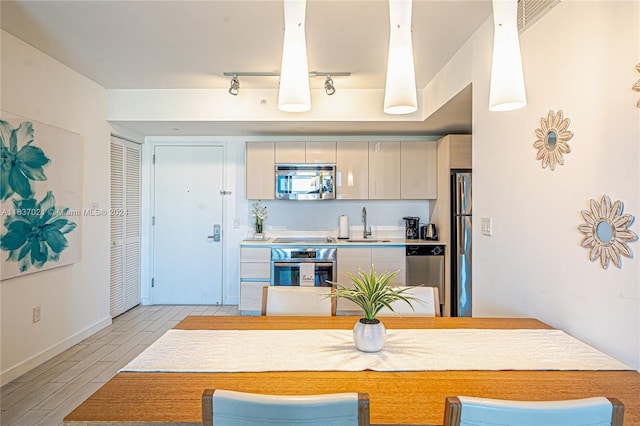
x=234, y=88
x=328, y=86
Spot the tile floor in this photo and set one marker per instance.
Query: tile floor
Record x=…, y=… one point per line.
x=46, y=394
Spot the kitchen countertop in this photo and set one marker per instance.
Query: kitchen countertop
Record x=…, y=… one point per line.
x=355, y=242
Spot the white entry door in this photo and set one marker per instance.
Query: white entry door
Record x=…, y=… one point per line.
x=187, y=230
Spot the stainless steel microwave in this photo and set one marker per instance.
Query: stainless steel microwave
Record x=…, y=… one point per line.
x=305, y=181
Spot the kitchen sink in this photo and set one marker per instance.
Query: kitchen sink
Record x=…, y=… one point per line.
x=368, y=241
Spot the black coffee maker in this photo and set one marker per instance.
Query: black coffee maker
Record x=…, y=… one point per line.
x=412, y=231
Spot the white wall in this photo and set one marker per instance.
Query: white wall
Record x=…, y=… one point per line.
x=250, y=104
x=579, y=58
x=284, y=217
x=74, y=298
x=235, y=222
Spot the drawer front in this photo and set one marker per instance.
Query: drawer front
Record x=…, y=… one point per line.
x=251, y=295
x=253, y=254
x=255, y=270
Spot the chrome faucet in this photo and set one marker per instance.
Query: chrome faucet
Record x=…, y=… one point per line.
x=365, y=233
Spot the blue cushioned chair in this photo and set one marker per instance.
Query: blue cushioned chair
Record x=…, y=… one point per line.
x=467, y=411
x=230, y=408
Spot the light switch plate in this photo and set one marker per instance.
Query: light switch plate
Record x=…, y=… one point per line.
x=487, y=226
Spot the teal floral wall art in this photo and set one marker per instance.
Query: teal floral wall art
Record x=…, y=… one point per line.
x=22, y=162
x=36, y=235
x=40, y=193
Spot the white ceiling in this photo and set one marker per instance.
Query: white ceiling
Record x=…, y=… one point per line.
x=189, y=44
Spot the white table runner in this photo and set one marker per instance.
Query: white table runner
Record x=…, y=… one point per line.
x=334, y=350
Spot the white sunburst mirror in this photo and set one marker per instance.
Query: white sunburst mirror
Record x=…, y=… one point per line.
x=606, y=232
x=553, y=136
x=636, y=86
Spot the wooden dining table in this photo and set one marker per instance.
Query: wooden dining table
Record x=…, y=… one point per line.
x=397, y=397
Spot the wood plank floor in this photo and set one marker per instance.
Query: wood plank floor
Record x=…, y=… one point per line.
x=46, y=394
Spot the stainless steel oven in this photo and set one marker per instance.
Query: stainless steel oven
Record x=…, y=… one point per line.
x=303, y=266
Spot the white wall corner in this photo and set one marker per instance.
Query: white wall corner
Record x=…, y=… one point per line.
x=32, y=362
x=449, y=81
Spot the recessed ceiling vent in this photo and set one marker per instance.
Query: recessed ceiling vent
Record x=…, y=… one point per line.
x=529, y=11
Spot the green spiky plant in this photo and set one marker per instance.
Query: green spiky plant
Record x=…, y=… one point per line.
x=372, y=292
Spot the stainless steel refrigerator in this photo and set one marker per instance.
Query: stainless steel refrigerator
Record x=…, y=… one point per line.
x=461, y=243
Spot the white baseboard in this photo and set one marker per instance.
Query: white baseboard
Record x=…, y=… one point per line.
x=16, y=371
x=231, y=301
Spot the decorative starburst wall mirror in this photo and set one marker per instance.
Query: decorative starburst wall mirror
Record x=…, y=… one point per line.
x=553, y=135
x=636, y=86
x=606, y=232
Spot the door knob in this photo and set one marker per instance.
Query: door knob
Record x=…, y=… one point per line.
x=216, y=233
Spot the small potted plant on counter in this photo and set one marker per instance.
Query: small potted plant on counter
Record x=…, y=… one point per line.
x=371, y=292
x=259, y=213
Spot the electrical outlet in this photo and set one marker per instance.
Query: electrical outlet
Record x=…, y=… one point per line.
x=37, y=311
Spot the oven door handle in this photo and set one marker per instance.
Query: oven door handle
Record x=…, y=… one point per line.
x=286, y=264
x=299, y=263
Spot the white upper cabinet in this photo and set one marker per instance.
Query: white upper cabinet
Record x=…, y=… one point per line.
x=364, y=170
x=352, y=166
x=384, y=170
x=290, y=152
x=260, y=171
x=320, y=152
x=459, y=151
x=305, y=152
x=418, y=173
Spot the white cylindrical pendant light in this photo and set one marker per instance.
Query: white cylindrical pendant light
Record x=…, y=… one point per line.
x=507, y=91
x=294, y=94
x=400, y=91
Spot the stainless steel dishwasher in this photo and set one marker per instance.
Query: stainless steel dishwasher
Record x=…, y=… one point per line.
x=425, y=266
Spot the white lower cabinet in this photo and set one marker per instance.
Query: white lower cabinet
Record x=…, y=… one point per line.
x=251, y=295
x=390, y=259
x=354, y=259
x=255, y=273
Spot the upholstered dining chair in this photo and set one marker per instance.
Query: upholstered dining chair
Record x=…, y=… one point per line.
x=230, y=408
x=427, y=305
x=277, y=300
x=599, y=411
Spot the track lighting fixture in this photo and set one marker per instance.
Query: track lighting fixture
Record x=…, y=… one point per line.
x=234, y=88
x=328, y=86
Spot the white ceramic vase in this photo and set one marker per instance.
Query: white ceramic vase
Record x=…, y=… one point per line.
x=369, y=337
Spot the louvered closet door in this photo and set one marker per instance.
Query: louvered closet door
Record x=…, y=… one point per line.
x=117, y=228
x=125, y=225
